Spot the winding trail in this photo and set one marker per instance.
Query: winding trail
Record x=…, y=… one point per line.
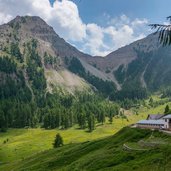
x=126, y=147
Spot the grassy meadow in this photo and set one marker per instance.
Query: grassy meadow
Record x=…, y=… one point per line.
x=18, y=144
x=107, y=154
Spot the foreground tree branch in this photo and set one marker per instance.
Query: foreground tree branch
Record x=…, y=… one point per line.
x=164, y=31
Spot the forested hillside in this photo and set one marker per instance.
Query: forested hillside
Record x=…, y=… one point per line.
x=48, y=83
x=24, y=89
x=28, y=99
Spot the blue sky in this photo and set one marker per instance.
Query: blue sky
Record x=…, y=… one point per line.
x=154, y=10
x=95, y=11
x=97, y=27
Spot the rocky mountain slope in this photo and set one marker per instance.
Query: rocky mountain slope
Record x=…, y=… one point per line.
x=123, y=57
x=20, y=32
x=143, y=64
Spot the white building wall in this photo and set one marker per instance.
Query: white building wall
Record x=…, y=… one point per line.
x=166, y=125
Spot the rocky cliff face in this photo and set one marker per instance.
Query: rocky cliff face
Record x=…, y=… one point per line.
x=22, y=30
x=123, y=57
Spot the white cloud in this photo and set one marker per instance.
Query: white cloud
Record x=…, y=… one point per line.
x=68, y=22
x=4, y=18
x=94, y=40
x=64, y=17
x=137, y=22
x=119, y=31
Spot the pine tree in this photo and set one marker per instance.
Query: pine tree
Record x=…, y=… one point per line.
x=164, y=32
x=151, y=101
x=82, y=120
x=58, y=120
x=3, y=122
x=110, y=118
x=46, y=122
x=91, y=122
x=102, y=117
x=110, y=115
x=66, y=121
x=167, y=109
x=58, y=141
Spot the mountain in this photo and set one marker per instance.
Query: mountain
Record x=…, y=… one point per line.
x=22, y=30
x=123, y=58
x=144, y=64
x=46, y=82
x=128, y=72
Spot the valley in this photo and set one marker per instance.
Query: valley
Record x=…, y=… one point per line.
x=22, y=144
x=50, y=88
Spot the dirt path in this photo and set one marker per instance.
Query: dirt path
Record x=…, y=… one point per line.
x=126, y=147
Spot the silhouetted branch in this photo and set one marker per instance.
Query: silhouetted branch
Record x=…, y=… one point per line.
x=164, y=32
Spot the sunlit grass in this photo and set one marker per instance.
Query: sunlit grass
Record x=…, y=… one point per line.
x=25, y=142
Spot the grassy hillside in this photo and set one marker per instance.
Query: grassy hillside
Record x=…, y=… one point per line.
x=105, y=154
x=23, y=143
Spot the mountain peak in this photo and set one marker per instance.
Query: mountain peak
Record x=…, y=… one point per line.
x=25, y=19
x=32, y=24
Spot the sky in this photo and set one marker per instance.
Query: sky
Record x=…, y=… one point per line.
x=96, y=27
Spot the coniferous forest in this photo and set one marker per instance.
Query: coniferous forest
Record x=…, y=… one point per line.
x=24, y=101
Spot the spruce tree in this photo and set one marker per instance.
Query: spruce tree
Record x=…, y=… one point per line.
x=46, y=122
x=110, y=114
x=110, y=118
x=151, y=101
x=82, y=120
x=102, y=117
x=58, y=141
x=3, y=122
x=91, y=122
x=167, y=109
